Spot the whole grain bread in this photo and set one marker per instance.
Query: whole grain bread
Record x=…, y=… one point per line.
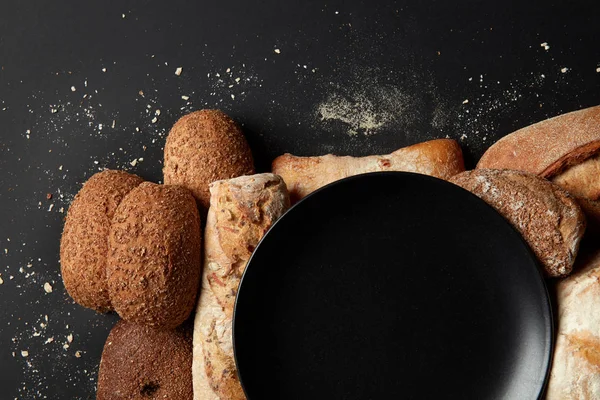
x=441, y=158
x=547, y=216
x=575, y=372
x=84, y=242
x=564, y=149
x=241, y=211
x=203, y=147
x=141, y=363
x=153, y=266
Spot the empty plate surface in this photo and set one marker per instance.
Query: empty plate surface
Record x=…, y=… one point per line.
x=389, y=286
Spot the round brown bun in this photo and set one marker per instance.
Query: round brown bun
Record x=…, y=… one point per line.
x=203, y=147
x=139, y=362
x=153, y=266
x=84, y=241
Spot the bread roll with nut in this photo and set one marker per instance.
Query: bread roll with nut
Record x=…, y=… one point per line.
x=203, y=147
x=153, y=266
x=84, y=242
x=564, y=149
x=241, y=212
x=549, y=219
x=441, y=158
x=575, y=372
x=139, y=362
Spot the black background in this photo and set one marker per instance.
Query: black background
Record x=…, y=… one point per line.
x=427, y=57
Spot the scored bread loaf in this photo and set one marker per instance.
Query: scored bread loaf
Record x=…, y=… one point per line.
x=564, y=149
x=547, y=216
x=441, y=158
x=240, y=213
x=575, y=372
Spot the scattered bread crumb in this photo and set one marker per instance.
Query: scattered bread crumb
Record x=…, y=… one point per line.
x=564, y=70
x=73, y=88
x=545, y=46
x=70, y=338
x=24, y=353
x=78, y=354
x=185, y=97
x=277, y=51
x=134, y=162
x=103, y=69
x=465, y=101
x=49, y=340
x=48, y=287
x=178, y=71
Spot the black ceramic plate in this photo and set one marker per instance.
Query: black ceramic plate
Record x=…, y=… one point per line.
x=392, y=286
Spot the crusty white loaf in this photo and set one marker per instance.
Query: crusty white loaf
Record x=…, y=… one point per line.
x=441, y=158
x=575, y=371
x=241, y=211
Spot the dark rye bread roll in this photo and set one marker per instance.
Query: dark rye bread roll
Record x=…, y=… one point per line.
x=203, y=147
x=141, y=363
x=84, y=241
x=548, y=217
x=564, y=149
x=153, y=266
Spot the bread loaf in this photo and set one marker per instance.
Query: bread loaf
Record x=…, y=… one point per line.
x=84, y=242
x=139, y=362
x=202, y=147
x=441, y=158
x=241, y=211
x=564, y=149
x=153, y=266
x=575, y=373
x=547, y=216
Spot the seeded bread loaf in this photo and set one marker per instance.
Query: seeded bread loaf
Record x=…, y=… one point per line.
x=564, y=149
x=153, y=266
x=84, y=242
x=548, y=217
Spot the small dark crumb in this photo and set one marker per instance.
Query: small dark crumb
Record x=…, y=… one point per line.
x=148, y=389
x=48, y=196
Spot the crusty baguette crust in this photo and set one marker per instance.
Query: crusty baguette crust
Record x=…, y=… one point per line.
x=548, y=147
x=575, y=370
x=441, y=158
x=244, y=209
x=241, y=211
x=547, y=216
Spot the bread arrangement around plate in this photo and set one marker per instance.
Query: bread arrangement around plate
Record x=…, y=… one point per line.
x=168, y=258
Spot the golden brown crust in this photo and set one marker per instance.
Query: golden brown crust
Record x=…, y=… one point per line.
x=581, y=180
x=203, y=147
x=441, y=158
x=548, y=217
x=153, y=265
x=548, y=147
x=141, y=363
x=241, y=211
x=244, y=208
x=575, y=372
x=84, y=242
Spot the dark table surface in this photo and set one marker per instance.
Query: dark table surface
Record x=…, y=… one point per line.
x=92, y=85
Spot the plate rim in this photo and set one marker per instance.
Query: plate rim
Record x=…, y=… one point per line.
x=549, y=320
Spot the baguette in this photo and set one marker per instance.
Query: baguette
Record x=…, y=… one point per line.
x=564, y=149
x=441, y=158
x=241, y=211
x=549, y=219
x=575, y=372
